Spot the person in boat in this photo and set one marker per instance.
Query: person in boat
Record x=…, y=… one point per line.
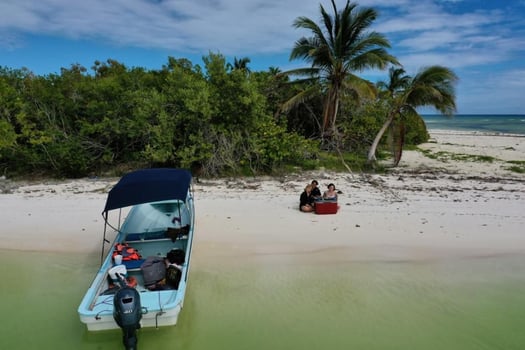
x=174, y=261
x=331, y=193
x=171, y=276
x=316, y=192
x=306, y=200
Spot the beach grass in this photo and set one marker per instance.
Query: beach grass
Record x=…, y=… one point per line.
x=445, y=156
x=518, y=166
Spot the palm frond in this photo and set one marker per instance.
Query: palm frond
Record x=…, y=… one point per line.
x=299, y=98
x=434, y=87
x=362, y=88
x=309, y=72
x=328, y=21
x=397, y=80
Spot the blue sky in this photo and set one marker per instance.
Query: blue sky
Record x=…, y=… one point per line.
x=483, y=41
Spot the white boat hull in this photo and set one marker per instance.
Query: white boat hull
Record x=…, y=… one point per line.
x=157, y=319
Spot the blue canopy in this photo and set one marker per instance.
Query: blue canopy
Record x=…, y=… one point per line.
x=149, y=185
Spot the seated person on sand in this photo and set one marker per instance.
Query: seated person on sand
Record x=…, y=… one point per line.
x=331, y=193
x=306, y=201
x=316, y=192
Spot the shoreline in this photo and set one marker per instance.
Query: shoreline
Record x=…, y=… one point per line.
x=472, y=132
x=424, y=210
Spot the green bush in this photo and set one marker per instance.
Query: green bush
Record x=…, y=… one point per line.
x=415, y=130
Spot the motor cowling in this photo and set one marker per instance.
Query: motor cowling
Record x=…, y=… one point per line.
x=127, y=312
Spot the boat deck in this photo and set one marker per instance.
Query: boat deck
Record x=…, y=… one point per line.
x=153, y=247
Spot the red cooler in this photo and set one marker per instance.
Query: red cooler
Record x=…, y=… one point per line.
x=326, y=207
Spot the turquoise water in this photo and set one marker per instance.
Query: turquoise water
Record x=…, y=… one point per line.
x=513, y=124
x=274, y=302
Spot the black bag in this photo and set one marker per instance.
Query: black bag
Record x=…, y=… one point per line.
x=177, y=232
x=153, y=270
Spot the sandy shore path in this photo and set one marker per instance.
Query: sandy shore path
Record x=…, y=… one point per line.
x=445, y=206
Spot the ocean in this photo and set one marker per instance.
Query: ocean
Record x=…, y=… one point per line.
x=487, y=123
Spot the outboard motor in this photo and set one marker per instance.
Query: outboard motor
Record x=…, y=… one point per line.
x=127, y=312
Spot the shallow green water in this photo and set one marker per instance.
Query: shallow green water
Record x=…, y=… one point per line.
x=287, y=304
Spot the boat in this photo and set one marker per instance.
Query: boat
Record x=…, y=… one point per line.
x=154, y=215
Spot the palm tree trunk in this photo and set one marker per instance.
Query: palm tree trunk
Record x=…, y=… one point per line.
x=335, y=110
x=328, y=113
x=372, y=152
x=398, y=144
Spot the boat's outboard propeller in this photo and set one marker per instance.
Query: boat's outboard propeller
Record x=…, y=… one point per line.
x=127, y=312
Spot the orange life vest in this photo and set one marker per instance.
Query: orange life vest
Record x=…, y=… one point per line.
x=127, y=252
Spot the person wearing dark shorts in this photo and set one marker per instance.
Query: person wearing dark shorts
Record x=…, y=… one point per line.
x=307, y=201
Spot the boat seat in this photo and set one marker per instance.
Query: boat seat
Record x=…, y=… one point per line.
x=133, y=264
x=130, y=237
x=155, y=235
x=145, y=236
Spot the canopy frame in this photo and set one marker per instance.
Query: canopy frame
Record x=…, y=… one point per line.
x=145, y=186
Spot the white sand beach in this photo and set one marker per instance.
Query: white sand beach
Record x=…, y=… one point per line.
x=452, y=206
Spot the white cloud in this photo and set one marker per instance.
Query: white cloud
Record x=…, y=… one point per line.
x=227, y=25
x=462, y=35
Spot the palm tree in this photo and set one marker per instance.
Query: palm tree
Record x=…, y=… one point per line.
x=338, y=48
x=431, y=87
x=241, y=64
